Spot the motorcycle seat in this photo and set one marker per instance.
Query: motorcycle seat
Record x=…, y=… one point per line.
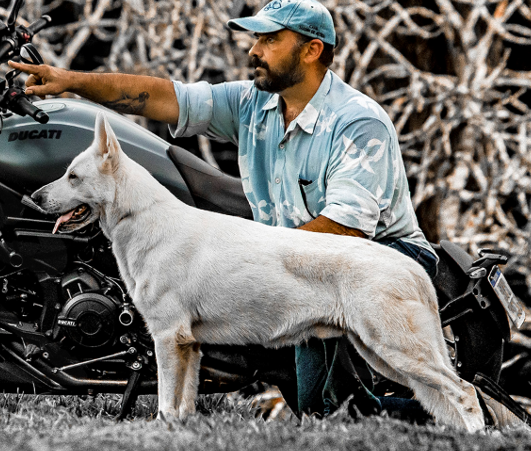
x=456, y=254
x=210, y=188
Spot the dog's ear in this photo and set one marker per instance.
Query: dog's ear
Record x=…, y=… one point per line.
x=106, y=144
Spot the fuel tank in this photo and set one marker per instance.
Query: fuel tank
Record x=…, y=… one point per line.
x=33, y=154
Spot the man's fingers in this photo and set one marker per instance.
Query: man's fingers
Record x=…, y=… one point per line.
x=28, y=68
x=33, y=80
x=43, y=80
x=34, y=83
x=30, y=92
x=38, y=90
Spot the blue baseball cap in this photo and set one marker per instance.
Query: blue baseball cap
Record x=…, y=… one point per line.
x=307, y=17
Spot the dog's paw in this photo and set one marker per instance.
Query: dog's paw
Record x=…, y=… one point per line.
x=167, y=416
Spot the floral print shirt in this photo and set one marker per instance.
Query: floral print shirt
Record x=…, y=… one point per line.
x=339, y=158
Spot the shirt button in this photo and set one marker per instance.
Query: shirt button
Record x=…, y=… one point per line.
x=281, y=146
x=277, y=180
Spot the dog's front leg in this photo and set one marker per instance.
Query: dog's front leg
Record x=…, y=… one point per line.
x=178, y=363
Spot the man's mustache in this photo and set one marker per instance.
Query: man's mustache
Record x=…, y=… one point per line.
x=257, y=62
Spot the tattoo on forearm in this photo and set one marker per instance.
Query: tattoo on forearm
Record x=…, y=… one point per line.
x=128, y=105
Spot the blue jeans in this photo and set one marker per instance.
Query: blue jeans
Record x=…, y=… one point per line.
x=324, y=375
x=426, y=258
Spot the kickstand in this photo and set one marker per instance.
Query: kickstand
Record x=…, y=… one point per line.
x=130, y=395
x=494, y=390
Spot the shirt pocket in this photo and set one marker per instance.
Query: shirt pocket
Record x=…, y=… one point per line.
x=311, y=197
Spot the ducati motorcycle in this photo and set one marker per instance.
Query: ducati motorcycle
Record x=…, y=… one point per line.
x=67, y=325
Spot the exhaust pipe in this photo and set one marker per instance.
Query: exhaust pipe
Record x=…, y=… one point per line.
x=127, y=316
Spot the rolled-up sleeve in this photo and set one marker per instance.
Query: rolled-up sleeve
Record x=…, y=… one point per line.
x=195, y=108
x=209, y=110
x=360, y=176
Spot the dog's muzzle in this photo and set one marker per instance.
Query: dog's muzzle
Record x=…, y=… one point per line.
x=29, y=202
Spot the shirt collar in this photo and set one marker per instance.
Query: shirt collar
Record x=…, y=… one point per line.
x=272, y=102
x=307, y=119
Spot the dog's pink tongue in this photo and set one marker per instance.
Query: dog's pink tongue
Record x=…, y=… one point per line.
x=65, y=218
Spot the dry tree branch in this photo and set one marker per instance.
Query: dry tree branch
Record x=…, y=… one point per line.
x=453, y=76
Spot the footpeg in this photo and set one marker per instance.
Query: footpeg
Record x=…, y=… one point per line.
x=9, y=256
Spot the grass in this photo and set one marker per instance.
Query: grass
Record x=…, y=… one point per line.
x=60, y=423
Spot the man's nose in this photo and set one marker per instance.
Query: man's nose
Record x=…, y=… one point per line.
x=255, y=50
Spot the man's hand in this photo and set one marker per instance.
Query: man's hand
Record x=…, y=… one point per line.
x=43, y=80
x=324, y=225
x=146, y=96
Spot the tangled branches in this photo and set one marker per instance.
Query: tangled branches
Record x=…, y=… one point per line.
x=451, y=74
x=444, y=74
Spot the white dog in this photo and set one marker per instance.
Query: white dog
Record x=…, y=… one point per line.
x=201, y=277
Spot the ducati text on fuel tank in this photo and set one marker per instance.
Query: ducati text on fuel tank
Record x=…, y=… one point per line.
x=35, y=134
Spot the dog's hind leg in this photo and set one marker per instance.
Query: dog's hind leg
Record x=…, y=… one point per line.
x=178, y=365
x=418, y=358
x=441, y=392
x=454, y=402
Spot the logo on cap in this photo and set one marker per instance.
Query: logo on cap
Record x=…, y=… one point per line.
x=308, y=17
x=273, y=5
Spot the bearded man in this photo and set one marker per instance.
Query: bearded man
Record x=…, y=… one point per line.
x=314, y=153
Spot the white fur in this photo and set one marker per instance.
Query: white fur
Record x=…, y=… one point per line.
x=201, y=277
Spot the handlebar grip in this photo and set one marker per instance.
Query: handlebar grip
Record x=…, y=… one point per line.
x=41, y=117
x=39, y=24
x=5, y=48
x=24, y=106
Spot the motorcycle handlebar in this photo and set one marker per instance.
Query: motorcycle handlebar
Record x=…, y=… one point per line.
x=31, y=110
x=14, y=13
x=21, y=105
x=39, y=24
x=24, y=34
x=5, y=48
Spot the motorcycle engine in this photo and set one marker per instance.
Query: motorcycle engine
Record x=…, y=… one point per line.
x=89, y=318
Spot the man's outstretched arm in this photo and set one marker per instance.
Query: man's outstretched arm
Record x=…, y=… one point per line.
x=146, y=96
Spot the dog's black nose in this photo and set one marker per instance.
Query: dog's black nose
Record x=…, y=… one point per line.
x=29, y=202
x=36, y=197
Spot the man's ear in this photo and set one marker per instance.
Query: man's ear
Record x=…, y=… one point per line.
x=106, y=144
x=313, y=50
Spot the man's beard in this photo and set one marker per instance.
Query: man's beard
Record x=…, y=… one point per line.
x=289, y=74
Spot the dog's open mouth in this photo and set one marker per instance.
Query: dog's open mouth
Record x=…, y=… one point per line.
x=76, y=216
